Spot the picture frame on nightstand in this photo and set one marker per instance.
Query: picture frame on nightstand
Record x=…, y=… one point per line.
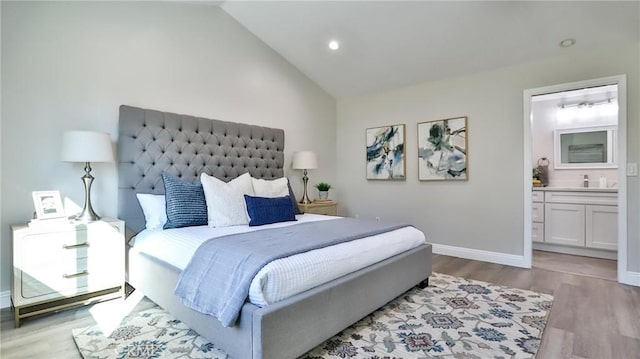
x=48, y=204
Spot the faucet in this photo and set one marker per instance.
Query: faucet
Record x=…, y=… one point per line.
x=585, y=181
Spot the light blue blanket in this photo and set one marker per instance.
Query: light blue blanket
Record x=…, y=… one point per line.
x=216, y=281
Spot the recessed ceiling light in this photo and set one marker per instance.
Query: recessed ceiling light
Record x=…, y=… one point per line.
x=334, y=45
x=567, y=42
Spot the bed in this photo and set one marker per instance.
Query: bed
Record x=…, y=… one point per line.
x=152, y=142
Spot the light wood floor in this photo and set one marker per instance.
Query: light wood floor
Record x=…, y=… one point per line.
x=590, y=318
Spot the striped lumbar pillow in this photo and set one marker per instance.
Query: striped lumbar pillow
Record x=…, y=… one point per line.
x=186, y=205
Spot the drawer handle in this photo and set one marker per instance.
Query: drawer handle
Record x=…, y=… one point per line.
x=79, y=274
x=73, y=246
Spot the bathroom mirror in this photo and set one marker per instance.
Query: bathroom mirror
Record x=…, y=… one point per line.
x=587, y=147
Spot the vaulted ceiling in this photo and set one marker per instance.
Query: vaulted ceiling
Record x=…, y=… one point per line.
x=388, y=44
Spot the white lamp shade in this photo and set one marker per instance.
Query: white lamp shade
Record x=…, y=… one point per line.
x=86, y=146
x=304, y=160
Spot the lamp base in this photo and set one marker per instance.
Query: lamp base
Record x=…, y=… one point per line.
x=305, y=197
x=87, y=214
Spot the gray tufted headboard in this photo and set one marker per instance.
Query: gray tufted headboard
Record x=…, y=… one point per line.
x=151, y=142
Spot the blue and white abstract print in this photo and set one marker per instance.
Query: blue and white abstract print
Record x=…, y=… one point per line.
x=385, y=153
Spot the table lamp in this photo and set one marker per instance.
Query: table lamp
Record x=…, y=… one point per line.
x=87, y=147
x=304, y=160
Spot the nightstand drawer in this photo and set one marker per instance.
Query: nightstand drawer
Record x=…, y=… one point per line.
x=328, y=208
x=71, y=278
x=51, y=251
x=64, y=247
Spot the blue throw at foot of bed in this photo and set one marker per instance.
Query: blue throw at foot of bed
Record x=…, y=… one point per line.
x=217, y=280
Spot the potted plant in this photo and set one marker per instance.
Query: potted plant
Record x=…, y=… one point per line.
x=536, y=177
x=323, y=190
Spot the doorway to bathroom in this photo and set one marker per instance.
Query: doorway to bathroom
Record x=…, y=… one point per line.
x=575, y=180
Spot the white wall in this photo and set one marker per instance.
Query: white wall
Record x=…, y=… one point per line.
x=485, y=213
x=70, y=65
x=544, y=122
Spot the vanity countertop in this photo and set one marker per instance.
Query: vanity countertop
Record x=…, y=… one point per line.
x=576, y=189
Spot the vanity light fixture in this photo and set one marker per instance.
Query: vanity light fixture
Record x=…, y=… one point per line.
x=586, y=104
x=567, y=43
x=334, y=45
x=585, y=109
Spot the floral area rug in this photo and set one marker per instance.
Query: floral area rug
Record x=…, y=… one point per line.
x=151, y=333
x=452, y=318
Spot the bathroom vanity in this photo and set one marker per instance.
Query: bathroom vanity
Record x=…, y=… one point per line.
x=580, y=221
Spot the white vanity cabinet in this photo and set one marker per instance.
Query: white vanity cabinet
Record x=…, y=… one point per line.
x=565, y=224
x=537, y=216
x=580, y=218
x=601, y=227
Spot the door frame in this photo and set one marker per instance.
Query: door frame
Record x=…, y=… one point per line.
x=621, y=81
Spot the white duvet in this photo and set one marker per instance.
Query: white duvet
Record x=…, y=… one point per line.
x=287, y=276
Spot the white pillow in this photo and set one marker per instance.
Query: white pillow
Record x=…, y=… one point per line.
x=270, y=188
x=154, y=209
x=225, y=201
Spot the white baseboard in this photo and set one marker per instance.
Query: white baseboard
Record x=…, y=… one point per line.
x=630, y=278
x=480, y=255
x=5, y=299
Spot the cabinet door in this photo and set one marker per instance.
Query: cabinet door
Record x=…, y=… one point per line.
x=602, y=227
x=537, y=196
x=537, y=232
x=537, y=212
x=564, y=224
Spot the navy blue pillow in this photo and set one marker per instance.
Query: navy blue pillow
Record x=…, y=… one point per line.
x=294, y=203
x=264, y=210
x=186, y=205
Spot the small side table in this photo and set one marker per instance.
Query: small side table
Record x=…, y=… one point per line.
x=329, y=208
x=64, y=265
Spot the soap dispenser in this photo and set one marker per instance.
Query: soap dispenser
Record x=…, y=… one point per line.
x=585, y=181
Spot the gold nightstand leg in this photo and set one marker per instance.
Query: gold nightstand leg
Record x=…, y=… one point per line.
x=16, y=317
x=123, y=291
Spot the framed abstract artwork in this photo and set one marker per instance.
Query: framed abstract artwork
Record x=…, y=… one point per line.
x=442, y=150
x=385, y=153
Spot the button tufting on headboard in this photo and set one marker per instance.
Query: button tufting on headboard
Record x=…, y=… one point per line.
x=185, y=146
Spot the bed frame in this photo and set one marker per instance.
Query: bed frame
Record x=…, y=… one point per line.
x=151, y=142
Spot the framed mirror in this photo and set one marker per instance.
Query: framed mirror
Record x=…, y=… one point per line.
x=587, y=147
